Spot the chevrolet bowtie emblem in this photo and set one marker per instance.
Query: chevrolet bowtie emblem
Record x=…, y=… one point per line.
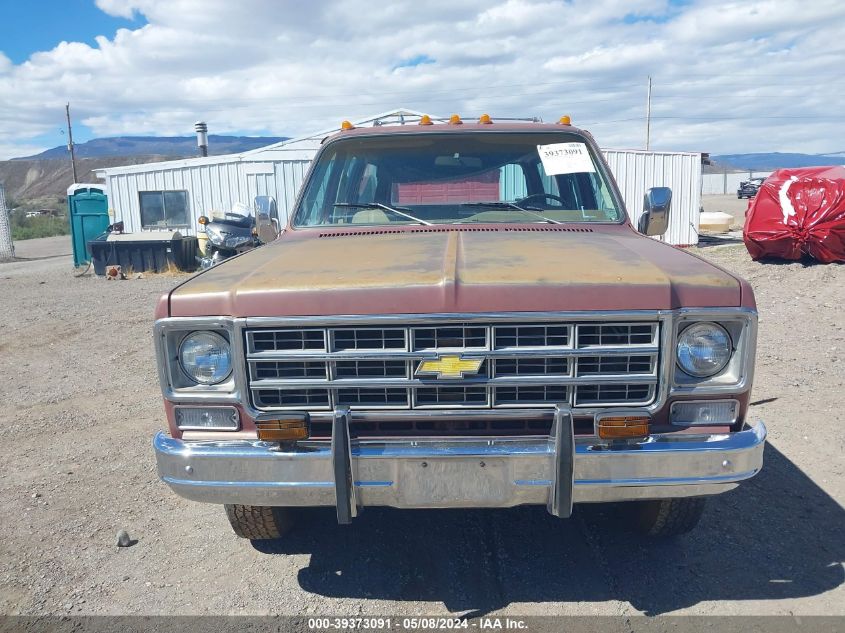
x=449, y=367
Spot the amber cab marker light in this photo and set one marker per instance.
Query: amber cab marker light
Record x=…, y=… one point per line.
x=565, y=120
x=346, y=125
x=455, y=119
x=426, y=120
x=283, y=430
x=485, y=119
x=623, y=426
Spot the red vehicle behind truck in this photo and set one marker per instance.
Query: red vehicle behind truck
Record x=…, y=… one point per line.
x=459, y=315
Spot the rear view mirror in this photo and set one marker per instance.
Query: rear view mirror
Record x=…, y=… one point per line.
x=456, y=160
x=656, y=207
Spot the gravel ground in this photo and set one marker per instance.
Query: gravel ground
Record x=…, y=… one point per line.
x=82, y=403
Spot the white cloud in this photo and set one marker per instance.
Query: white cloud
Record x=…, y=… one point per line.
x=722, y=70
x=5, y=63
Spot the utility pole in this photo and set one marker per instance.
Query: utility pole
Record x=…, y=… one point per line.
x=648, y=116
x=70, y=143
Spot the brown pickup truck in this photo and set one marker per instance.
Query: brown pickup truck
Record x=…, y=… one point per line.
x=458, y=316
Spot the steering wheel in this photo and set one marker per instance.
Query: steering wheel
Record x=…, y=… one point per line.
x=540, y=196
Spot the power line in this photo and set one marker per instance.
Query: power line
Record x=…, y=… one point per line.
x=411, y=94
x=718, y=96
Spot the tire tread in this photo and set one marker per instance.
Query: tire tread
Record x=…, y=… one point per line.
x=671, y=517
x=258, y=522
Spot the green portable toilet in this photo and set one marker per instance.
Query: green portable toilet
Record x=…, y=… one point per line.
x=88, y=213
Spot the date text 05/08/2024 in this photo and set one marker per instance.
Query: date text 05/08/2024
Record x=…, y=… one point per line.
x=415, y=623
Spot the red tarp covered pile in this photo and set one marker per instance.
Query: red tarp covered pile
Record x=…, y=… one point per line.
x=798, y=211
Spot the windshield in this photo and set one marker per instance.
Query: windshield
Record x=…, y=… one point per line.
x=238, y=214
x=457, y=178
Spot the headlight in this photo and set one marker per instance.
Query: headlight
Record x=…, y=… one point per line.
x=214, y=236
x=205, y=357
x=704, y=349
x=237, y=240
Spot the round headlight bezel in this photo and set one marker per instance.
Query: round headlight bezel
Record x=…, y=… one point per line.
x=216, y=338
x=693, y=329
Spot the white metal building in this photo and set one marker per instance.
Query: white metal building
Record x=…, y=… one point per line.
x=636, y=171
x=174, y=194
x=727, y=183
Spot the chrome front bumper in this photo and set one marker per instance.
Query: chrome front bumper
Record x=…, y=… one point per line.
x=456, y=473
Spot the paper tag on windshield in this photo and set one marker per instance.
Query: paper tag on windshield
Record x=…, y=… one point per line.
x=565, y=158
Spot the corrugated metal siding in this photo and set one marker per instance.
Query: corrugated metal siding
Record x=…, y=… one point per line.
x=289, y=176
x=636, y=171
x=209, y=187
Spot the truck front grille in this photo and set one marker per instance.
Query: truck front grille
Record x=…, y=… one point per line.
x=523, y=365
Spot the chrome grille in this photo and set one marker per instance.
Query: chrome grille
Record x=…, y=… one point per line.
x=585, y=364
x=602, y=334
x=508, y=336
x=368, y=338
x=450, y=337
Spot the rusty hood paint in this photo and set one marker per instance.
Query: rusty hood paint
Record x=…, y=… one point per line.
x=420, y=270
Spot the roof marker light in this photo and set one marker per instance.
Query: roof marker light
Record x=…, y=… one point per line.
x=455, y=120
x=565, y=120
x=426, y=120
x=485, y=119
x=346, y=125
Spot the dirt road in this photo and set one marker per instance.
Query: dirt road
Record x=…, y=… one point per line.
x=81, y=404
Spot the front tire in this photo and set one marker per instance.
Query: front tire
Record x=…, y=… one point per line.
x=664, y=518
x=259, y=522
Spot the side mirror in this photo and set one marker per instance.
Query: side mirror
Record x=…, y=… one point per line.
x=266, y=218
x=656, y=207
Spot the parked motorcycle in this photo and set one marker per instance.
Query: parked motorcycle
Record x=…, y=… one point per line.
x=238, y=230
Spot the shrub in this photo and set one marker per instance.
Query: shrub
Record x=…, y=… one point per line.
x=24, y=228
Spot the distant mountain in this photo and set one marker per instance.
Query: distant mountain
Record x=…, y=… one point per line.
x=31, y=179
x=776, y=160
x=169, y=146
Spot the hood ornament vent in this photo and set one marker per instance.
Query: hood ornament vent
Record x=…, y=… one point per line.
x=455, y=229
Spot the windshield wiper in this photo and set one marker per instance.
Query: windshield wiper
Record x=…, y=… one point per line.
x=511, y=205
x=379, y=205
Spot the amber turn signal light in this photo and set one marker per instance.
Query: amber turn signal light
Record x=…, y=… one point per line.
x=623, y=426
x=202, y=220
x=283, y=430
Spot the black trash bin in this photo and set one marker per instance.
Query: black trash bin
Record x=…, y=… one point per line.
x=156, y=251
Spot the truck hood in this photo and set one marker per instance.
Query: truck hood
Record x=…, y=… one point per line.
x=415, y=270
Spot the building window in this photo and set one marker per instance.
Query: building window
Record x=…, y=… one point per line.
x=163, y=208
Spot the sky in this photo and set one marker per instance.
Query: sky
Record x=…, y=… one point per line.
x=727, y=77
